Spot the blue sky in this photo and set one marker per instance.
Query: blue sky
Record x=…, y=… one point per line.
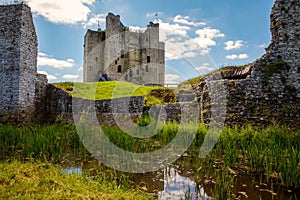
x=200, y=35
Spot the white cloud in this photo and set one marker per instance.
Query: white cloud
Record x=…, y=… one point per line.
x=167, y=29
x=94, y=20
x=234, y=56
x=206, y=36
x=62, y=11
x=243, y=56
x=70, y=76
x=46, y=60
x=233, y=45
x=154, y=14
x=70, y=60
x=172, y=78
x=80, y=74
x=263, y=45
x=204, y=68
x=49, y=77
x=179, y=45
x=185, y=20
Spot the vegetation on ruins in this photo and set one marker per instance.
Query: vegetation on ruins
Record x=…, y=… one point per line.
x=114, y=89
x=194, y=82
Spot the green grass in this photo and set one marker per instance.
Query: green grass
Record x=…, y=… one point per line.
x=34, y=180
x=195, y=81
x=112, y=89
x=271, y=154
x=53, y=142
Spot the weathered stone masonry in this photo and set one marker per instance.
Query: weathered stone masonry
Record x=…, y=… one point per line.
x=18, y=64
x=60, y=105
x=26, y=96
x=123, y=54
x=267, y=91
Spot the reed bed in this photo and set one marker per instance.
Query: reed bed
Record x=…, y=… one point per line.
x=52, y=142
x=272, y=154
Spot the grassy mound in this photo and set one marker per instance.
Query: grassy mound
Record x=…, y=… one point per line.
x=194, y=82
x=114, y=89
x=46, y=181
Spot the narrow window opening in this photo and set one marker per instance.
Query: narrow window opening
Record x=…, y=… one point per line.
x=148, y=59
x=122, y=54
x=130, y=73
x=119, y=69
x=137, y=72
x=116, y=62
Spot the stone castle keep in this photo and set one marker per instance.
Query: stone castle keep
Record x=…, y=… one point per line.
x=265, y=92
x=123, y=54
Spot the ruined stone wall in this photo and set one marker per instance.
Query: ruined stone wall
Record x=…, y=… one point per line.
x=136, y=57
x=270, y=93
x=10, y=17
x=28, y=65
x=41, y=103
x=18, y=44
x=60, y=106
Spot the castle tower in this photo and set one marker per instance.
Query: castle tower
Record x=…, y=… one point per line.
x=124, y=55
x=18, y=63
x=93, y=55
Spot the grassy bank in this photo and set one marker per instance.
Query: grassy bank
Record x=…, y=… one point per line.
x=271, y=155
x=45, y=181
x=115, y=89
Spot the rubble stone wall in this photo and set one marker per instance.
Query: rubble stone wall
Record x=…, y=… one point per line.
x=270, y=93
x=18, y=63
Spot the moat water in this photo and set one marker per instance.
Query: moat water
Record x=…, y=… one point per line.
x=180, y=181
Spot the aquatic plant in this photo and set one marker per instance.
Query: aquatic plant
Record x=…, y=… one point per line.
x=271, y=154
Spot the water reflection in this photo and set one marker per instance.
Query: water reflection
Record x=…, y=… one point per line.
x=179, y=181
x=72, y=170
x=180, y=187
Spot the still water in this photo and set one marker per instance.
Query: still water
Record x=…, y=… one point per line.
x=180, y=181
